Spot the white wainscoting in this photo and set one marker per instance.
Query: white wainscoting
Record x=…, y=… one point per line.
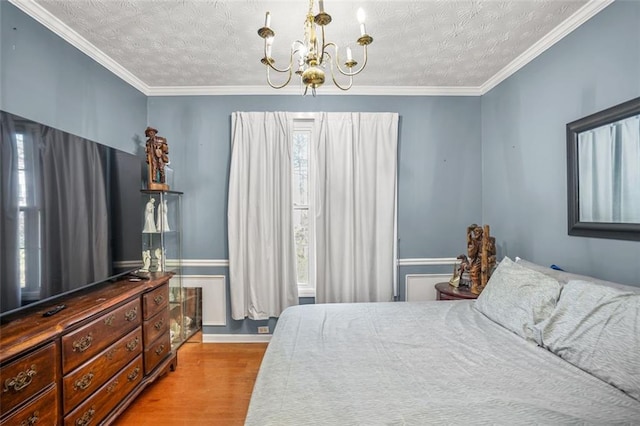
x=421, y=287
x=214, y=297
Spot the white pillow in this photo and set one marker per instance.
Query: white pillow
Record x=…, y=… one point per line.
x=597, y=328
x=564, y=277
x=518, y=298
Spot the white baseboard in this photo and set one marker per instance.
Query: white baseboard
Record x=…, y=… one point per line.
x=236, y=338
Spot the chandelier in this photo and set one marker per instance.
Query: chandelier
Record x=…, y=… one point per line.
x=310, y=56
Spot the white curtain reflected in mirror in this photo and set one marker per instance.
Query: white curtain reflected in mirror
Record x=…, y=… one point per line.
x=609, y=172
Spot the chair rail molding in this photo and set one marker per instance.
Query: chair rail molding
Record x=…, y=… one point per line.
x=428, y=261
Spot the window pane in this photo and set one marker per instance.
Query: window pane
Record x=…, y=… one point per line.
x=22, y=189
x=301, y=168
x=21, y=229
x=22, y=252
x=301, y=234
x=20, y=146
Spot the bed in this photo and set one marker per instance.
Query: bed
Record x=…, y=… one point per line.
x=522, y=353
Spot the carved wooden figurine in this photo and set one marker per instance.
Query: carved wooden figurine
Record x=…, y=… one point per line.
x=157, y=151
x=488, y=257
x=474, y=250
x=476, y=266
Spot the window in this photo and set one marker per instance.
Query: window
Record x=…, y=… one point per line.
x=28, y=219
x=303, y=206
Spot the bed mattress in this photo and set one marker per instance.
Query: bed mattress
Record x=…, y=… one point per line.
x=420, y=363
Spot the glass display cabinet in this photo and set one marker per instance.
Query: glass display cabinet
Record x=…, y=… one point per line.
x=162, y=250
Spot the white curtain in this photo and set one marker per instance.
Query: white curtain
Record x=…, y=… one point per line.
x=356, y=162
x=262, y=268
x=609, y=172
x=630, y=170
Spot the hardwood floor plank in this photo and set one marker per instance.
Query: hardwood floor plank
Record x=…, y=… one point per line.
x=212, y=385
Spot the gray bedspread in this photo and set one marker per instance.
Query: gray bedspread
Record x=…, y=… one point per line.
x=419, y=364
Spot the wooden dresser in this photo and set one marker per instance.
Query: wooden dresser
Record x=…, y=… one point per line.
x=86, y=363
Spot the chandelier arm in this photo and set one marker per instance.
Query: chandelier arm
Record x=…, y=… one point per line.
x=282, y=85
x=343, y=72
x=333, y=75
x=269, y=63
x=322, y=53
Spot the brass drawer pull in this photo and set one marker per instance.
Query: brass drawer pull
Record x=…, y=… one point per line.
x=32, y=420
x=134, y=374
x=86, y=417
x=83, y=344
x=133, y=344
x=132, y=314
x=158, y=299
x=109, y=355
x=112, y=387
x=84, y=382
x=160, y=349
x=109, y=320
x=158, y=325
x=21, y=381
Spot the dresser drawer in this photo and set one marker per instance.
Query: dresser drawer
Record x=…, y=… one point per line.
x=28, y=375
x=156, y=352
x=87, y=341
x=155, y=327
x=43, y=410
x=94, y=409
x=83, y=381
x=155, y=301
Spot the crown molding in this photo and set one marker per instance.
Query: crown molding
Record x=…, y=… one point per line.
x=581, y=16
x=324, y=91
x=44, y=17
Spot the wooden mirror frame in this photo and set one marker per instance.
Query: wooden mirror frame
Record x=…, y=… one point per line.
x=613, y=230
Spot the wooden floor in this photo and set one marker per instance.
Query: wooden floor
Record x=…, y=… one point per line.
x=211, y=386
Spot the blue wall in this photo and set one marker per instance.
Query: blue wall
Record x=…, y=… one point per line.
x=524, y=146
x=439, y=163
x=45, y=79
x=439, y=191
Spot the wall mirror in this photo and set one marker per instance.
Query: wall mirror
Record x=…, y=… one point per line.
x=603, y=173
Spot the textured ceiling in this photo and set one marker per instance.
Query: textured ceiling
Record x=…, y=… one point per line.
x=436, y=43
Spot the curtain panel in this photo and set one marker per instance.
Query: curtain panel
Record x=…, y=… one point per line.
x=608, y=164
x=355, y=175
x=356, y=172
x=262, y=268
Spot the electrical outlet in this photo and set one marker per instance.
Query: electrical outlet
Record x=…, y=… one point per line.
x=263, y=329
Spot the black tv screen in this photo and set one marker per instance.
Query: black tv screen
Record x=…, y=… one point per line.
x=69, y=213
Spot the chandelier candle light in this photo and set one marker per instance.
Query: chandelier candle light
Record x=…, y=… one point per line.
x=312, y=55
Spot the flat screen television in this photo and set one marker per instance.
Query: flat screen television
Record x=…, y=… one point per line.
x=69, y=213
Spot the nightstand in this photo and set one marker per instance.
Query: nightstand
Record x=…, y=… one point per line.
x=447, y=292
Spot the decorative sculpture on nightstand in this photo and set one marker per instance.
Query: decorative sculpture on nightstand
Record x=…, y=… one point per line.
x=157, y=151
x=478, y=264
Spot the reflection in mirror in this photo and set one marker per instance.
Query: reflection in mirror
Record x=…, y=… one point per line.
x=609, y=172
x=603, y=174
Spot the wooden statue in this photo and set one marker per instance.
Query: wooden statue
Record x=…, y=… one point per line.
x=157, y=151
x=488, y=257
x=476, y=266
x=474, y=248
